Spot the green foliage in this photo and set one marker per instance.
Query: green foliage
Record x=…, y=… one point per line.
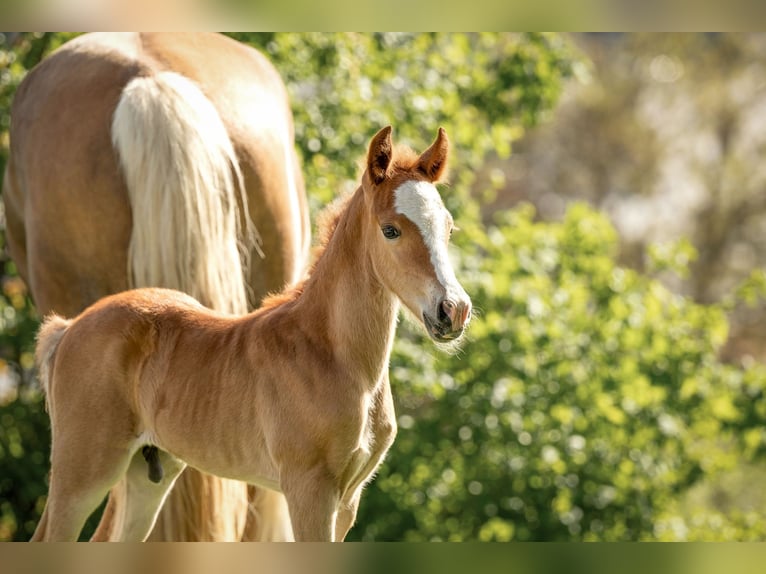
x=729, y=507
x=674, y=256
x=24, y=452
x=751, y=291
x=24, y=435
x=484, y=89
x=585, y=401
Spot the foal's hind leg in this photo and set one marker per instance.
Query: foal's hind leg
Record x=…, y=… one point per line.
x=42, y=526
x=136, y=500
x=80, y=478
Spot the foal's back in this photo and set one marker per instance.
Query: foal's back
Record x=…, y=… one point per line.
x=123, y=331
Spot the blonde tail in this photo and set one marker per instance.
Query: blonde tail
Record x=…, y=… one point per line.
x=186, y=191
x=191, y=232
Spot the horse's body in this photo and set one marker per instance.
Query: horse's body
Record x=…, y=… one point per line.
x=294, y=396
x=132, y=157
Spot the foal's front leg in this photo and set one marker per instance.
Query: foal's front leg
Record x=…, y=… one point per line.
x=346, y=517
x=312, y=498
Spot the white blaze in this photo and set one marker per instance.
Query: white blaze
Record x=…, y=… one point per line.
x=421, y=203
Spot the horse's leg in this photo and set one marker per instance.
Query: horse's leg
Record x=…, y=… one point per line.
x=346, y=517
x=268, y=518
x=80, y=479
x=312, y=498
x=137, y=500
x=202, y=508
x=42, y=526
x=112, y=509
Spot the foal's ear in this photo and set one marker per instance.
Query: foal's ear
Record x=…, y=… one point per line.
x=433, y=161
x=379, y=155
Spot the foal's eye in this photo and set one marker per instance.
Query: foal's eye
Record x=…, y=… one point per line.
x=390, y=232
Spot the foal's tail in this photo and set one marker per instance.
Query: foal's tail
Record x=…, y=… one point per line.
x=191, y=228
x=48, y=339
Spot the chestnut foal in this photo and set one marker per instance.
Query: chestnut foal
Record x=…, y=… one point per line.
x=294, y=397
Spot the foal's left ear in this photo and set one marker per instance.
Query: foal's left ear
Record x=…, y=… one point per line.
x=433, y=161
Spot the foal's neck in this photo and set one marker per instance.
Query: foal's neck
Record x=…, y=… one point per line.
x=345, y=297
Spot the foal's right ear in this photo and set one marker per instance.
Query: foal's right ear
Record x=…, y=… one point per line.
x=379, y=155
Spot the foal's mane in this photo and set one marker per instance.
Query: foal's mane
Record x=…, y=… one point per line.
x=404, y=160
x=327, y=223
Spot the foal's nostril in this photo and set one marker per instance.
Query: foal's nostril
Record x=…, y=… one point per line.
x=447, y=312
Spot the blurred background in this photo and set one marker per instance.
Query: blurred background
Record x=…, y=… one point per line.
x=610, y=196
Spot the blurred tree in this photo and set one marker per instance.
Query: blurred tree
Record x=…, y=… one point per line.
x=666, y=137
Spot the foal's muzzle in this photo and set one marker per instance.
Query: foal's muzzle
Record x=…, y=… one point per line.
x=451, y=319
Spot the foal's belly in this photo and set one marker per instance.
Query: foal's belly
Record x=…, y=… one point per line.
x=232, y=456
x=263, y=474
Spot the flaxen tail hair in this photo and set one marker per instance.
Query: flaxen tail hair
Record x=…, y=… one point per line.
x=186, y=190
x=188, y=202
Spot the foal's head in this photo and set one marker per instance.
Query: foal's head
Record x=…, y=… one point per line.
x=410, y=233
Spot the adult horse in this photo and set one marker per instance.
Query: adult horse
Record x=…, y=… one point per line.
x=159, y=160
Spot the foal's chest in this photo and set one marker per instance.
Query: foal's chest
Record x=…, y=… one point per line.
x=375, y=435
